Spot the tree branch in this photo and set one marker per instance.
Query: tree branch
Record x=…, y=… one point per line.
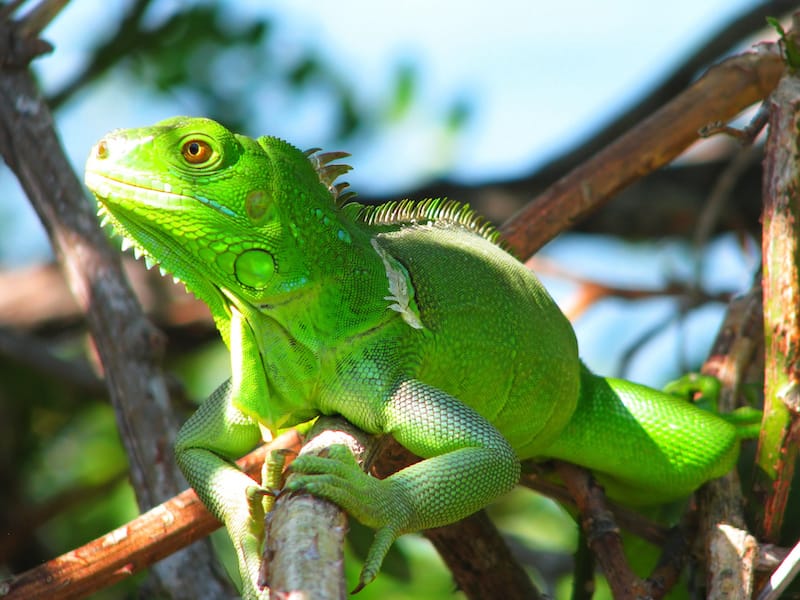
x=133, y=547
x=305, y=535
x=745, y=79
x=780, y=433
x=128, y=344
x=731, y=551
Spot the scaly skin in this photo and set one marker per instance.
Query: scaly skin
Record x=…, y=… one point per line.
x=407, y=320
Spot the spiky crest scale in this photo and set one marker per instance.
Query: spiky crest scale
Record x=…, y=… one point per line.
x=328, y=172
x=400, y=212
x=432, y=210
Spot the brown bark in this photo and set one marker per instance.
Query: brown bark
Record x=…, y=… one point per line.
x=128, y=344
x=780, y=433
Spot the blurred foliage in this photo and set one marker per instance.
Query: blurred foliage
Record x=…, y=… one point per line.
x=229, y=66
x=790, y=50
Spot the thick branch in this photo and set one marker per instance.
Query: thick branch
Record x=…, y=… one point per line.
x=136, y=545
x=780, y=433
x=128, y=345
x=731, y=551
x=722, y=93
x=303, y=551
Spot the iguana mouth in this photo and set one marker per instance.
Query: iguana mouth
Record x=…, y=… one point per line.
x=153, y=193
x=106, y=189
x=157, y=194
x=107, y=218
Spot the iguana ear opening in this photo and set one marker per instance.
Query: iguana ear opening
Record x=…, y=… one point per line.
x=258, y=207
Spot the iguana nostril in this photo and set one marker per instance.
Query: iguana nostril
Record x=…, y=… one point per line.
x=101, y=149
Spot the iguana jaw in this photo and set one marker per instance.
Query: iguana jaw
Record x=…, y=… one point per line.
x=117, y=207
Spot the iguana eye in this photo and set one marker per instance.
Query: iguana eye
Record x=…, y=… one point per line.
x=196, y=151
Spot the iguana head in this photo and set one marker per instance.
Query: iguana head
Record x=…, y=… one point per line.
x=223, y=213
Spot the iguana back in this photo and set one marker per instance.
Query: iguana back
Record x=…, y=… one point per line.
x=493, y=337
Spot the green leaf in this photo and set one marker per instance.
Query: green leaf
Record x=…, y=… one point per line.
x=405, y=90
x=791, y=52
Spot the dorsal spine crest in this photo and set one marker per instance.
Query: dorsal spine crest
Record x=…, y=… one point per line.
x=440, y=211
x=329, y=171
x=431, y=211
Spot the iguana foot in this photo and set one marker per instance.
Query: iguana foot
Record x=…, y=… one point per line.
x=247, y=538
x=246, y=530
x=384, y=538
x=702, y=390
x=374, y=502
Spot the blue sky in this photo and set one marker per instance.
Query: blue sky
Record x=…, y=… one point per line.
x=538, y=77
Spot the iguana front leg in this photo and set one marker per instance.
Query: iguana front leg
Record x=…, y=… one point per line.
x=468, y=464
x=207, y=444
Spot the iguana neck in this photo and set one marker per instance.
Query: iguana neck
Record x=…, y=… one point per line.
x=330, y=255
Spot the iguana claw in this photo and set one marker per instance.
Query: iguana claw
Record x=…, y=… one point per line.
x=339, y=478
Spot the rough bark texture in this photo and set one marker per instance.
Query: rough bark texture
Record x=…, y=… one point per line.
x=128, y=345
x=134, y=546
x=780, y=433
x=731, y=551
x=304, y=548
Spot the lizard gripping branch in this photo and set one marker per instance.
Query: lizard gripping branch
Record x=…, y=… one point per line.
x=407, y=319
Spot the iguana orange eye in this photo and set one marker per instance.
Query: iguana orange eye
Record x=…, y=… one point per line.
x=196, y=151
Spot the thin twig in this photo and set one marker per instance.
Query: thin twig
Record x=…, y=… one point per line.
x=40, y=17
x=720, y=195
x=746, y=135
x=783, y=576
x=628, y=519
x=38, y=355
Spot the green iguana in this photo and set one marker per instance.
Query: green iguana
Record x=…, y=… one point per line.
x=408, y=319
